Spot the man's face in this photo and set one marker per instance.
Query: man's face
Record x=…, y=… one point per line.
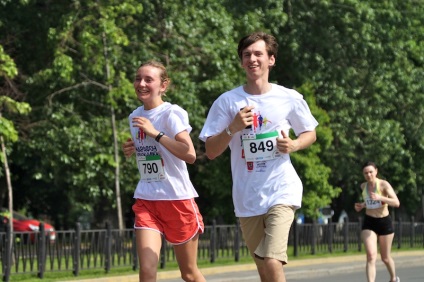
x=255, y=60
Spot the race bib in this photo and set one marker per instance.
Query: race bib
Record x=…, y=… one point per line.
x=151, y=168
x=260, y=147
x=373, y=204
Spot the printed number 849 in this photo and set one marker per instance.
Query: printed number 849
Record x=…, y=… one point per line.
x=261, y=146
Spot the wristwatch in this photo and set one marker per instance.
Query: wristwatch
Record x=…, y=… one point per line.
x=227, y=129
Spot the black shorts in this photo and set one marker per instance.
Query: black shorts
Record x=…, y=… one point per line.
x=381, y=226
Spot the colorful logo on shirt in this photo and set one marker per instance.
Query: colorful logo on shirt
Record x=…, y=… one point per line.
x=259, y=122
x=141, y=135
x=143, y=147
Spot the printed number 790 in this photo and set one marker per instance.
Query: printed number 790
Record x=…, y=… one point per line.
x=150, y=168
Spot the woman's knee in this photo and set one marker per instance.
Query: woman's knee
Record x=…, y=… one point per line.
x=191, y=276
x=147, y=272
x=386, y=259
x=187, y=277
x=372, y=257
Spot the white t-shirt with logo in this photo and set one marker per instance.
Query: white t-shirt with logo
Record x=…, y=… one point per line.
x=163, y=176
x=262, y=177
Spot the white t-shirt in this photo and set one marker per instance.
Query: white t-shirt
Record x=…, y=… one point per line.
x=174, y=182
x=269, y=178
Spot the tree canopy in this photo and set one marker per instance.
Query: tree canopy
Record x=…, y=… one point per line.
x=359, y=65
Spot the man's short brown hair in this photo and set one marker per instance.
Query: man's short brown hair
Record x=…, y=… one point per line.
x=270, y=42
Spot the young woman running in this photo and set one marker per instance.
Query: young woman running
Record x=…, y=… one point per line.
x=378, y=195
x=164, y=197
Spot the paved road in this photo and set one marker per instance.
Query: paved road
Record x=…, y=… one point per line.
x=409, y=266
x=346, y=269
x=406, y=274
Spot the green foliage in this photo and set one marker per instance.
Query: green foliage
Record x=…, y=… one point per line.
x=7, y=66
x=7, y=129
x=317, y=192
x=214, y=184
x=8, y=106
x=358, y=56
x=359, y=65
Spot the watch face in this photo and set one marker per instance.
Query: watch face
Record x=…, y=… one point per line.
x=227, y=129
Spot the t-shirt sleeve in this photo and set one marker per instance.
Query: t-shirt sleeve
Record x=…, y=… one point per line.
x=178, y=121
x=217, y=120
x=301, y=118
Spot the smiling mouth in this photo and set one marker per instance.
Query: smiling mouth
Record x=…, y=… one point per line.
x=141, y=91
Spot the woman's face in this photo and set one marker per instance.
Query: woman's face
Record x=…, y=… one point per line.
x=148, y=85
x=370, y=173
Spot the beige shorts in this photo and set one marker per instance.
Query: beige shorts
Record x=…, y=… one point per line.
x=267, y=235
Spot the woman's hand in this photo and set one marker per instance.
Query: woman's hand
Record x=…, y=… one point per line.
x=128, y=148
x=375, y=197
x=359, y=206
x=145, y=125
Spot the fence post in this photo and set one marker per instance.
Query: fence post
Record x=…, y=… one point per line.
x=41, y=250
x=412, y=243
x=359, y=234
x=399, y=237
x=108, y=249
x=163, y=253
x=330, y=234
x=295, y=238
x=314, y=237
x=345, y=234
x=77, y=249
x=7, y=255
x=213, y=241
x=134, y=251
x=237, y=241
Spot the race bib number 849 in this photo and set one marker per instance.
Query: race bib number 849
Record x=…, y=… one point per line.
x=260, y=147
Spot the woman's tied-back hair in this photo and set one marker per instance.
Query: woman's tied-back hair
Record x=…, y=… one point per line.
x=369, y=163
x=164, y=78
x=270, y=42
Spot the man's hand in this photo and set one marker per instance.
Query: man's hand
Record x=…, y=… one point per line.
x=285, y=144
x=243, y=119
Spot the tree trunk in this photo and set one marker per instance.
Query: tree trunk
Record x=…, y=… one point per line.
x=9, y=188
x=115, y=142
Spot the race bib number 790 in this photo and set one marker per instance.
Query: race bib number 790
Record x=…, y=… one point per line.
x=150, y=168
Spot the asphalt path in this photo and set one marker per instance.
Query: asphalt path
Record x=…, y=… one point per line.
x=409, y=267
x=406, y=274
